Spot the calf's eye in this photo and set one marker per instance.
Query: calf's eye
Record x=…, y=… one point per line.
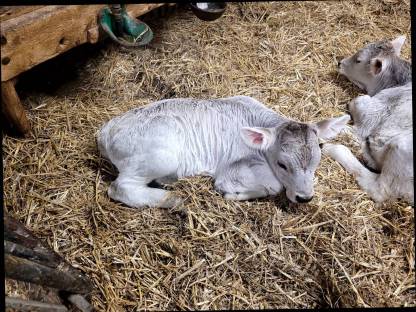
x=282, y=166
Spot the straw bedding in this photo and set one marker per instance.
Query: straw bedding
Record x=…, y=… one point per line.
x=340, y=250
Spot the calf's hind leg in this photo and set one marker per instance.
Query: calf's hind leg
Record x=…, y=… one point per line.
x=134, y=192
x=138, y=170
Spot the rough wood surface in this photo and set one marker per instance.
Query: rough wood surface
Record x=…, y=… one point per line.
x=20, y=239
x=23, y=236
x=34, y=37
x=80, y=302
x=15, y=232
x=9, y=12
x=29, y=305
x=12, y=107
x=27, y=259
x=32, y=272
x=47, y=258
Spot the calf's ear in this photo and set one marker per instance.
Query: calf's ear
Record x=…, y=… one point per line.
x=397, y=44
x=377, y=65
x=257, y=137
x=329, y=128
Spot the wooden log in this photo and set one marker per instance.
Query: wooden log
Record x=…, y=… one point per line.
x=16, y=238
x=9, y=12
x=13, y=109
x=20, y=242
x=35, y=306
x=33, y=262
x=34, y=37
x=15, y=232
x=80, y=302
x=12, y=225
x=32, y=272
x=49, y=259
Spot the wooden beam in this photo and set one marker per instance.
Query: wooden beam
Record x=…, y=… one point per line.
x=34, y=37
x=20, y=239
x=13, y=109
x=20, y=242
x=35, y=306
x=15, y=232
x=32, y=272
x=9, y=12
x=47, y=258
x=80, y=302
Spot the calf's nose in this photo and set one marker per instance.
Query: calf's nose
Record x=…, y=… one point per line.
x=339, y=60
x=300, y=199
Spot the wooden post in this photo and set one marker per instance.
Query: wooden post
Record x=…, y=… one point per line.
x=13, y=109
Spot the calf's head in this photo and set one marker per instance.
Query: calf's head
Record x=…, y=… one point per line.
x=372, y=67
x=293, y=153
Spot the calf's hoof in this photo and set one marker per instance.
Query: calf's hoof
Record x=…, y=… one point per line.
x=232, y=196
x=332, y=150
x=171, y=201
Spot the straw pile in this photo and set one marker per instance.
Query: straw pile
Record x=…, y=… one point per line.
x=340, y=250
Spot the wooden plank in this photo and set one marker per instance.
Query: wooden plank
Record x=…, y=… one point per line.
x=29, y=258
x=13, y=109
x=15, y=232
x=37, y=36
x=136, y=10
x=47, y=258
x=16, y=238
x=32, y=272
x=9, y=12
x=34, y=37
x=80, y=302
x=35, y=306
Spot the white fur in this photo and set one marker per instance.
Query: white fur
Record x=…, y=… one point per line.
x=398, y=43
x=383, y=123
x=238, y=141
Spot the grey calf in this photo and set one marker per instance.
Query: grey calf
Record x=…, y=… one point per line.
x=382, y=120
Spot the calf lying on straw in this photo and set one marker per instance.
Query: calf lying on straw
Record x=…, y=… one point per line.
x=248, y=149
x=382, y=120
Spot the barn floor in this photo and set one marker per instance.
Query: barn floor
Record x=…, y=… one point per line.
x=340, y=250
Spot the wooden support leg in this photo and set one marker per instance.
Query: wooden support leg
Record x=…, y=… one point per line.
x=13, y=109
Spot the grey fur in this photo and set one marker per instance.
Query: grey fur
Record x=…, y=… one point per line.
x=395, y=71
x=383, y=124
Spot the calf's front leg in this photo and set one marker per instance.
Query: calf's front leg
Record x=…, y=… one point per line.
x=368, y=181
x=246, y=195
x=245, y=180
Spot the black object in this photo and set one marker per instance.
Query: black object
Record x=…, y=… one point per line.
x=208, y=11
